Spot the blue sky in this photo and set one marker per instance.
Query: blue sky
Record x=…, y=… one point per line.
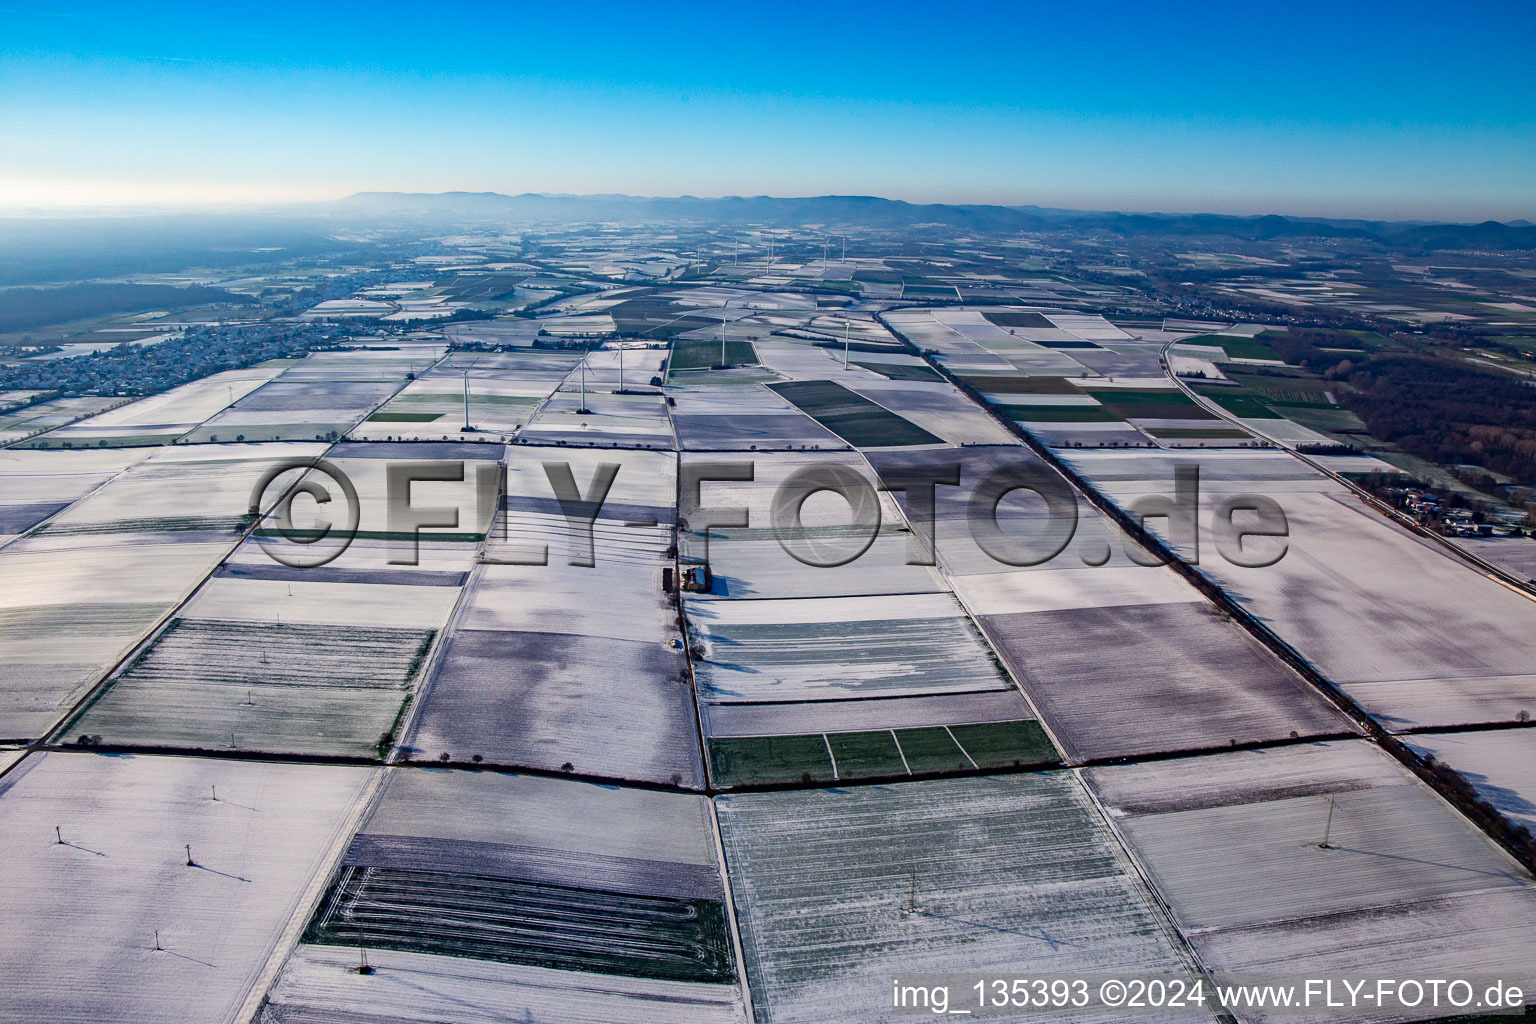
x=1398, y=110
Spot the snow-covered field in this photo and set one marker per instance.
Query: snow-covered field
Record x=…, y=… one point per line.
x=82, y=916
x=1417, y=637
x=1232, y=842
x=162, y=418
x=1500, y=765
x=98, y=576
x=480, y=827
x=840, y=890
x=756, y=651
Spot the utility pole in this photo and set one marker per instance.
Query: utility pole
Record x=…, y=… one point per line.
x=912, y=907
x=1328, y=826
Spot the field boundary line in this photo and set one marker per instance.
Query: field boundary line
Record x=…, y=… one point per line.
x=287, y=940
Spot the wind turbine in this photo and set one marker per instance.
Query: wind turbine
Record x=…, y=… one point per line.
x=471, y=366
x=847, y=328
x=722, y=333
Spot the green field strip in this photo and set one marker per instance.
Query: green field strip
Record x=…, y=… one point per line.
x=900, y=371
x=865, y=754
x=931, y=750
x=852, y=417
x=405, y=417
x=878, y=753
x=744, y=760
x=699, y=354
x=1004, y=744
x=1060, y=413
x=1245, y=405
x=1007, y=385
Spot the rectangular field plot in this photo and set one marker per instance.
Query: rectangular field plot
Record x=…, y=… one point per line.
x=545, y=568
x=618, y=708
x=828, y=648
x=600, y=420
x=856, y=419
x=1234, y=844
x=290, y=409
x=837, y=891
x=877, y=753
x=752, y=563
x=937, y=407
x=740, y=417
x=87, y=586
x=1030, y=532
x=1411, y=633
x=756, y=561
x=190, y=493
x=82, y=916
x=481, y=897
x=641, y=485
x=434, y=405
x=163, y=418
x=36, y=485
x=45, y=416
x=450, y=482
x=1124, y=679
x=285, y=688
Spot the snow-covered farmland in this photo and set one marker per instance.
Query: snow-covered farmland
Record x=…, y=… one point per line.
x=839, y=890
x=1235, y=844
x=1132, y=660
x=88, y=585
x=620, y=708
x=488, y=844
x=35, y=485
x=1414, y=635
x=82, y=916
x=261, y=686
x=825, y=648
x=752, y=561
x=162, y=418
x=1500, y=765
x=731, y=414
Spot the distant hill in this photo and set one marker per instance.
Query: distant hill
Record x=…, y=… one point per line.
x=872, y=211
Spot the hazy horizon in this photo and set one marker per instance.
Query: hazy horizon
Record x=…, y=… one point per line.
x=1378, y=111
x=235, y=206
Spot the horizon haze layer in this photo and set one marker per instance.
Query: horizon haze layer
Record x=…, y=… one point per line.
x=1405, y=112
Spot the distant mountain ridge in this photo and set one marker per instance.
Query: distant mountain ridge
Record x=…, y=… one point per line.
x=873, y=211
